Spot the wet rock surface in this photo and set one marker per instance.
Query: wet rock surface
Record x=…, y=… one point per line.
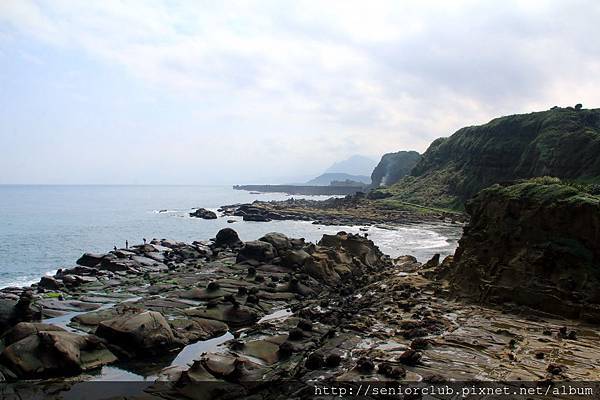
x=279, y=309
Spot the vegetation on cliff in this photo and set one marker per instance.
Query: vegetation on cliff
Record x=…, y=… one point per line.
x=561, y=142
x=535, y=243
x=393, y=167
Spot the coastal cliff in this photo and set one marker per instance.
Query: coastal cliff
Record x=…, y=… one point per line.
x=393, y=167
x=536, y=243
x=561, y=142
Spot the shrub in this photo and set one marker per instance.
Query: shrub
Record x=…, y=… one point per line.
x=546, y=180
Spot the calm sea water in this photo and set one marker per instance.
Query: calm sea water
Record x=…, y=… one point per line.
x=43, y=228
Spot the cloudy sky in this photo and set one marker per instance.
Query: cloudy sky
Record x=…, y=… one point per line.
x=269, y=91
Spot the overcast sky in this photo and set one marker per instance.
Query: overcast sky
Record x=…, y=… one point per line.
x=240, y=92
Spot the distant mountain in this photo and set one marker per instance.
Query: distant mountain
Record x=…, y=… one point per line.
x=393, y=167
x=326, y=179
x=560, y=142
x=355, y=165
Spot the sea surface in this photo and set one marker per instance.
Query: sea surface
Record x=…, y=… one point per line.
x=43, y=227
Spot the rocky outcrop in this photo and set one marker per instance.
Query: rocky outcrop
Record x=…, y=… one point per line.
x=227, y=237
x=561, y=142
x=278, y=240
x=41, y=350
x=342, y=257
x=393, y=167
x=15, y=311
x=536, y=243
x=203, y=213
x=336, y=311
x=358, y=209
x=145, y=332
x=257, y=250
x=90, y=259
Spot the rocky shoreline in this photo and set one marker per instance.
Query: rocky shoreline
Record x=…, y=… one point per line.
x=350, y=210
x=281, y=309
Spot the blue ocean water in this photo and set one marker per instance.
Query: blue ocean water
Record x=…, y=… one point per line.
x=43, y=228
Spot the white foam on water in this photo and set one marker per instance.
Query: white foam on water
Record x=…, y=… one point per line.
x=25, y=281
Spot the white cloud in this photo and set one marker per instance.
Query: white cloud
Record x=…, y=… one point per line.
x=350, y=76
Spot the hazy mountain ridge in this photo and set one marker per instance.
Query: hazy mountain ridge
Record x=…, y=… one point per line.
x=354, y=165
x=326, y=178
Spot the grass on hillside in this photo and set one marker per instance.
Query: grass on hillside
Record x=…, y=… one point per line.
x=548, y=189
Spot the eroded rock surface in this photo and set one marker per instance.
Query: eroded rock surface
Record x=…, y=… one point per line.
x=47, y=352
x=536, y=243
x=279, y=309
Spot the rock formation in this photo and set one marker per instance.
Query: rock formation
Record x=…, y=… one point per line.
x=536, y=243
x=561, y=142
x=203, y=213
x=393, y=167
x=41, y=350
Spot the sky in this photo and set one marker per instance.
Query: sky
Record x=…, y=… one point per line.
x=223, y=92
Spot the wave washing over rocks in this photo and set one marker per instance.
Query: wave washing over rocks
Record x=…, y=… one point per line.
x=277, y=309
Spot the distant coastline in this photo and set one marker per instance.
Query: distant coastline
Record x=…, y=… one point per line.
x=302, y=189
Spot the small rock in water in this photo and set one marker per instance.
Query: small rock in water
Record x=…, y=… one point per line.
x=315, y=361
x=305, y=325
x=390, y=371
x=333, y=360
x=296, y=334
x=365, y=365
x=285, y=349
x=203, y=213
x=384, y=368
x=555, y=369
x=562, y=332
x=419, y=344
x=252, y=299
x=410, y=357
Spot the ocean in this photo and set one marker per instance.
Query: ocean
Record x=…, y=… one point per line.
x=46, y=227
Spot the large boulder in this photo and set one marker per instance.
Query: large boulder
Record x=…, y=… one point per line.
x=256, y=250
x=12, y=312
x=203, y=213
x=50, y=283
x=192, y=329
x=145, y=332
x=54, y=353
x=340, y=257
x=294, y=258
x=24, y=329
x=278, y=240
x=90, y=259
x=120, y=265
x=322, y=267
x=535, y=243
x=356, y=246
x=227, y=237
